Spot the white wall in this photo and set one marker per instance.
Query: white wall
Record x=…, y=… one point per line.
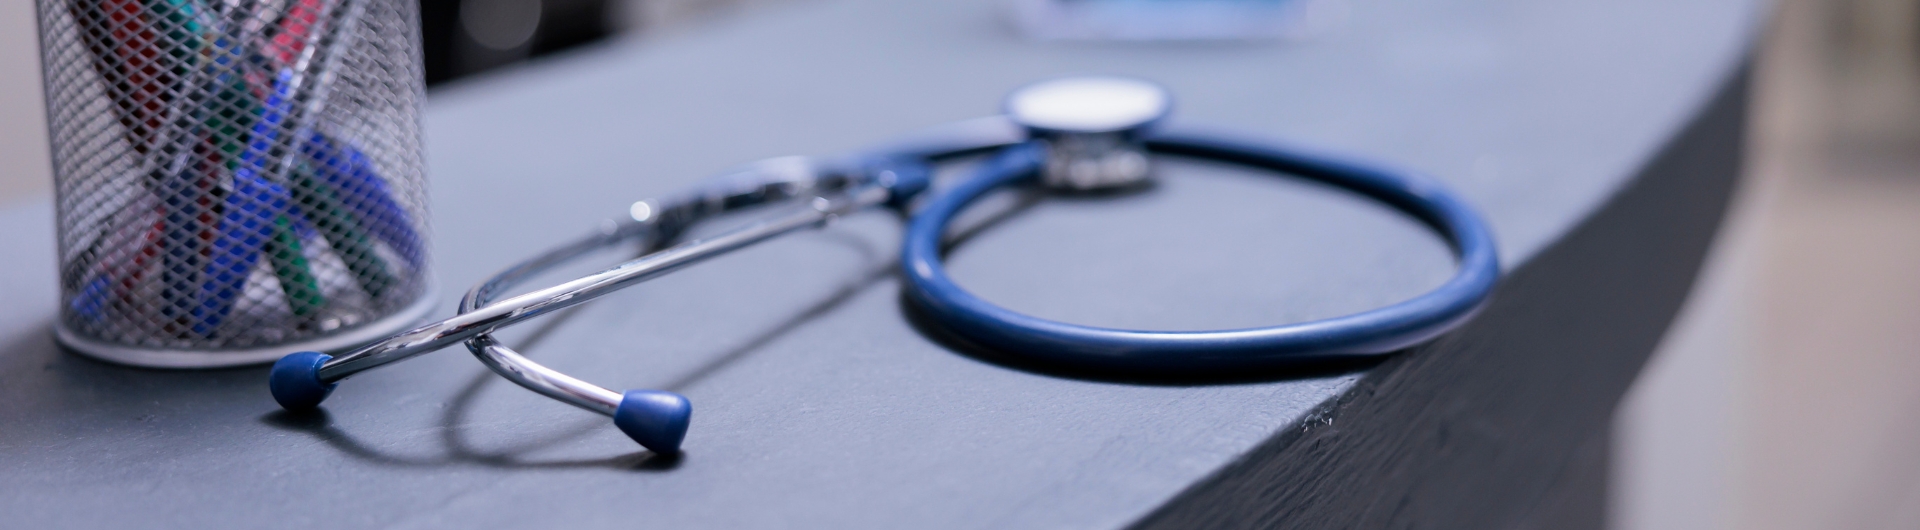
x=24, y=167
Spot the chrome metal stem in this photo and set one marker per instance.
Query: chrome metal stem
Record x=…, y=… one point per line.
x=551, y=383
x=526, y=373
x=506, y=312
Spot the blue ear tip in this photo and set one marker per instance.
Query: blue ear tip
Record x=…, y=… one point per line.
x=656, y=419
x=295, y=381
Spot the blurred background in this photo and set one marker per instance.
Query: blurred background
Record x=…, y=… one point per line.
x=1786, y=397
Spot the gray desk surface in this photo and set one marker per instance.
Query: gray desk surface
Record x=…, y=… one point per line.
x=817, y=403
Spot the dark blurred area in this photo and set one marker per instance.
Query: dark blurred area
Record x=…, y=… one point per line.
x=465, y=37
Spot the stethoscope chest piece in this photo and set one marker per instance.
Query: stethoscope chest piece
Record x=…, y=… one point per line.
x=1094, y=128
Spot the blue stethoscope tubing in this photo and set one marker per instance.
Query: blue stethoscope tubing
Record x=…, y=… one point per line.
x=1370, y=333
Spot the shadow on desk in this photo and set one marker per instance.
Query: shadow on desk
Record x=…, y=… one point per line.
x=459, y=451
x=319, y=424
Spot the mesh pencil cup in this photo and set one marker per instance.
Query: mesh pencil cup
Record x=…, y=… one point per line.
x=236, y=179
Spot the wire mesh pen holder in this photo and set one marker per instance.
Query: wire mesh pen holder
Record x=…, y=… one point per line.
x=236, y=179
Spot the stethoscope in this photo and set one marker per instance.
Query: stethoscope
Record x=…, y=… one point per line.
x=1074, y=134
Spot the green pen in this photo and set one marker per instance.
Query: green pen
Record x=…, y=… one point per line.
x=290, y=266
x=330, y=217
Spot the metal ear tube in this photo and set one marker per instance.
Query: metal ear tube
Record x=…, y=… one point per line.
x=655, y=419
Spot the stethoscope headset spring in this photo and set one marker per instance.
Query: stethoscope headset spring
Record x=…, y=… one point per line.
x=1076, y=133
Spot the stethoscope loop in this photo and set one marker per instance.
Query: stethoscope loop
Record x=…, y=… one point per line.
x=1374, y=332
x=1075, y=134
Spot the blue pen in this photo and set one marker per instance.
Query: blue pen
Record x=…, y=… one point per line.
x=250, y=211
x=361, y=190
x=90, y=298
x=91, y=301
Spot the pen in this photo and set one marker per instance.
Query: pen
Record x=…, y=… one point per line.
x=94, y=295
x=291, y=49
x=354, y=181
x=284, y=250
x=320, y=206
x=252, y=208
x=123, y=44
x=252, y=214
x=299, y=29
x=320, y=203
x=290, y=266
x=126, y=52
